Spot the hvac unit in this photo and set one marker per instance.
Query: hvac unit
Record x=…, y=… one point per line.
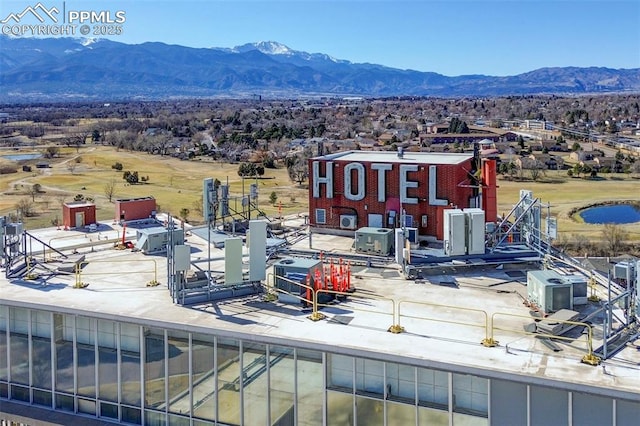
x=374, y=240
x=290, y=272
x=579, y=284
x=549, y=291
x=412, y=235
x=155, y=240
x=348, y=221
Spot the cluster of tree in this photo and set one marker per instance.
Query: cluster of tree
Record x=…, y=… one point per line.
x=298, y=166
x=226, y=129
x=458, y=126
x=612, y=242
x=250, y=170
x=132, y=178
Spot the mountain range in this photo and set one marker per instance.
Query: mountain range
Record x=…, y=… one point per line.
x=47, y=69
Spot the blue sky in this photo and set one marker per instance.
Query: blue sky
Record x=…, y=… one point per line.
x=453, y=37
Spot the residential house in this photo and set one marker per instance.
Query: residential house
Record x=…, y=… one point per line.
x=585, y=155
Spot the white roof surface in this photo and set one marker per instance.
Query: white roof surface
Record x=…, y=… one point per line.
x=392, y=157
x=443, y=323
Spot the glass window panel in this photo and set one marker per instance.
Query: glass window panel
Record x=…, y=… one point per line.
x=310, y=387
x=64, y=402
x=108, y=374
x=86, y=370
x=179, y=396
x=470, y=395
x=460, y=419
x=4, y=390
x=432, y=417
x=433, y=388
x=401, y=382
x=178, y=420
x=369, y=411
x=547, y=406
x=86, y=406
x=370, y=376
x=201, y=423
x=63, y=333
x=85, y=330
x=41, y=369
x=107, y=334
x=255, y=384
x=228, y=381
x=130, y=381
x=340, y=408
x=131, y=415
x=41, y=324
x=281, y=385
x=3, y=352
x=627, y=412
x=130, y=337
x=154, y=418
x=591, y=409
x=20, y=393
x=42, y=398
x=19, y=320
x=108, y=410
x=203, y=357
x=154, y=367
x=400, y=414
x=19, y=357
x=3, y=318
x=340, y=372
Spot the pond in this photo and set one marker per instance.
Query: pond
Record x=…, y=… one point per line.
x=617, y=213
x=21, y=157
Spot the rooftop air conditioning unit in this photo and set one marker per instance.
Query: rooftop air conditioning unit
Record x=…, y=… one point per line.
x=348, y=221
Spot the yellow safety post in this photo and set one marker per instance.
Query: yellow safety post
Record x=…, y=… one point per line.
x=315, y=315
x=154, y=282
x=590, y=358
x=79, y=283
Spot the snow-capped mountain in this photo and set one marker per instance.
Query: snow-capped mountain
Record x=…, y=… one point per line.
x=73, y=68
x=273, y=48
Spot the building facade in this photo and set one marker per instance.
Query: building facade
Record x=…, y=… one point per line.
x=355, y=189
x=77, y=215
x=121, y=371
x=134, y=208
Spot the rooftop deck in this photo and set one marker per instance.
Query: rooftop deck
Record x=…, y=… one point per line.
x=445, y=317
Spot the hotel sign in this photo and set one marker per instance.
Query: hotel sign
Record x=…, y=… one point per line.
x=354, y=184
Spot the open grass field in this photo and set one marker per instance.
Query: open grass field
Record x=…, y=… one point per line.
x=177, y=185
x=174, y=183
x=565, y=194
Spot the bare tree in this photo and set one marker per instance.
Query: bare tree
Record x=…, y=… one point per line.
x=25, y=207
x=51, y=151
x=537, y=169
x=110, y=189
x=71, y=166
x=77, y=138
x=614, y=237
x=34, y=190
x=62, y=198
